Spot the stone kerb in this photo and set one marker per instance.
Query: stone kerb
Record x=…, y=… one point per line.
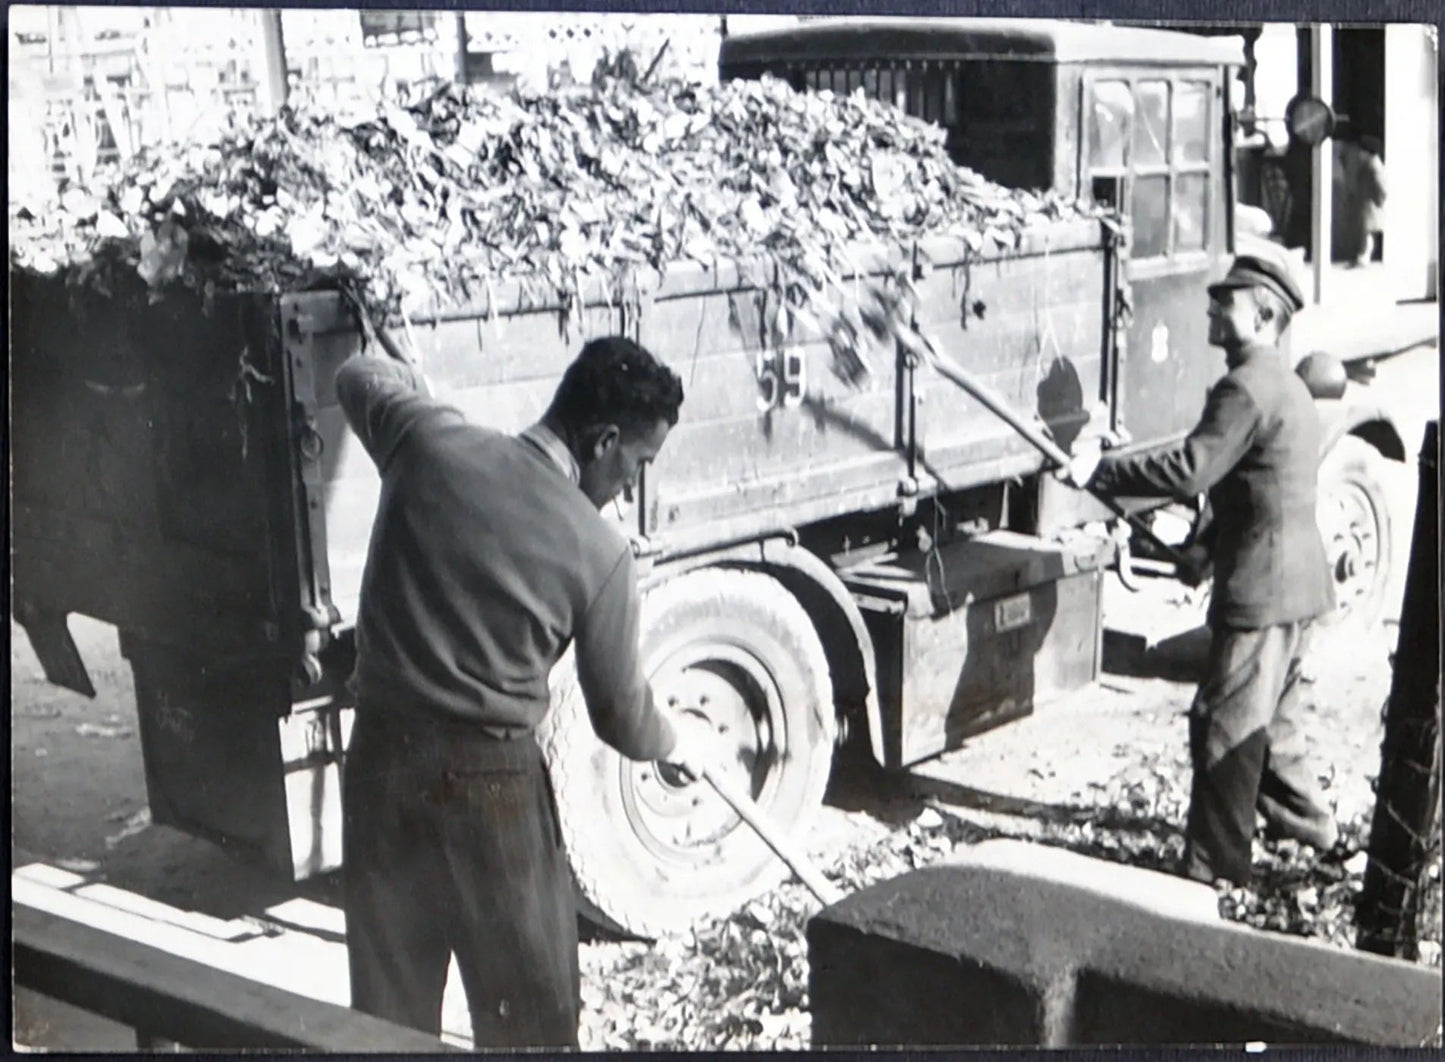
x=1026, y=945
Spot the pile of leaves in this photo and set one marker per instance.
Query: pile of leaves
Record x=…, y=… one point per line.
x=422, y=202
x=741, y=981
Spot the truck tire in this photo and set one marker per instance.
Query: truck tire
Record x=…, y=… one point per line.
x=649, y=851
x=1354, y=520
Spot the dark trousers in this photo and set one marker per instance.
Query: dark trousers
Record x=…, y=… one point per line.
x=1247, y=746
x=452, y=845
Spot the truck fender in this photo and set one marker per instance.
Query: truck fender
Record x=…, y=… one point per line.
x=835, y=616
x=1365, y=420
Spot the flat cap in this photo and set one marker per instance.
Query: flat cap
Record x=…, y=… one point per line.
x=1259, y=271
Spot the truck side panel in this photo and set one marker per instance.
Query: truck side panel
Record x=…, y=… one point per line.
x=764, y=430
x=1030, y=327
x=770, y=438
x=777, y=439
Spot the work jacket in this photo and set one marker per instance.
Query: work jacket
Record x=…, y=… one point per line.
x=1256, y=453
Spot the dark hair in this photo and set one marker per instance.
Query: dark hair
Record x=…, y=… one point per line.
x=616, y=381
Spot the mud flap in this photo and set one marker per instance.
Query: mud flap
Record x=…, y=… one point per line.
x=59, y=656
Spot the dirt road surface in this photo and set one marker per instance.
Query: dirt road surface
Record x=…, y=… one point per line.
x=79, y=797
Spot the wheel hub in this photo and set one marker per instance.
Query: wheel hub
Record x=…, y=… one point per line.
x=680, y=819
x=1352, y=540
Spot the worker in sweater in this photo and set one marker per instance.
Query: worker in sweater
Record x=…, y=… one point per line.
x=1256, y=453
x=488, y=556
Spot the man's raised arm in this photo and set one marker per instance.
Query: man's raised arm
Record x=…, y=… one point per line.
x=382, y=399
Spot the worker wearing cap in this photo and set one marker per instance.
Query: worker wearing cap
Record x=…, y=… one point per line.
x=488, y=557
x=1256, y=453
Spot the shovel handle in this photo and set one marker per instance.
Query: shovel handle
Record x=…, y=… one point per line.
x=774, y=837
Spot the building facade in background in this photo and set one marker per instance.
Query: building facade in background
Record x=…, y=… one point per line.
x=89, y=85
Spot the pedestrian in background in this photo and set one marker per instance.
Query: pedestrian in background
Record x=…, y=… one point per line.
x=1359, y=196
x=1256, y=453
x=1366, y=175
x=488, y=556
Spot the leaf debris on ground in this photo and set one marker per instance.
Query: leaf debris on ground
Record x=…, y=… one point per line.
x=741, y=982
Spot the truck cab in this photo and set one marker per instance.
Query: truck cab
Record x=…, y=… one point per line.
x=1136, y=119
x=1133, y=119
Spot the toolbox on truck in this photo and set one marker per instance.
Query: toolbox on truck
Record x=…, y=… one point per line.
x=975, y=633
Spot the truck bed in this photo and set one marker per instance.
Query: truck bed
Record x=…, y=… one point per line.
x=182, y=470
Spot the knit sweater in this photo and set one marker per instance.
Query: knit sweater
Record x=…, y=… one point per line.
x=486, y=561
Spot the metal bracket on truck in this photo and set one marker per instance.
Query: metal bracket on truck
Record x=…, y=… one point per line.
x=318, y=612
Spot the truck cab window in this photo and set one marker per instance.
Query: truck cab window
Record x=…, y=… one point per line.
x=1149, y=213
x=1151, y=127
x=1149, y=156
x=1110, y=120
x=1191, y=129
x=1149, y=161
x=1190, y=135
x=1190, y=212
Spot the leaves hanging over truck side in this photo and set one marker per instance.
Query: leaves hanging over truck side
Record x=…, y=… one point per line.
x=420, y=201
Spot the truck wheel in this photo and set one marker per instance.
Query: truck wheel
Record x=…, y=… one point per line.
x=1354, y=521
x=649, y=850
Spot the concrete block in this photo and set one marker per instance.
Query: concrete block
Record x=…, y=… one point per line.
x=982, y=952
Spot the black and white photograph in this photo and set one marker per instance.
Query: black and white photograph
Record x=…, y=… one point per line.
x=716, y=530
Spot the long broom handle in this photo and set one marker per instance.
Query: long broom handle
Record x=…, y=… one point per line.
x=773, y=836
x=999, y=406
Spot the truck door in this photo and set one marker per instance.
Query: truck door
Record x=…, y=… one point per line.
x=1152, y=146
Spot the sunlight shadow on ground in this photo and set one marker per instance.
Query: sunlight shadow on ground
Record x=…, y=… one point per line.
x=1177, y=659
